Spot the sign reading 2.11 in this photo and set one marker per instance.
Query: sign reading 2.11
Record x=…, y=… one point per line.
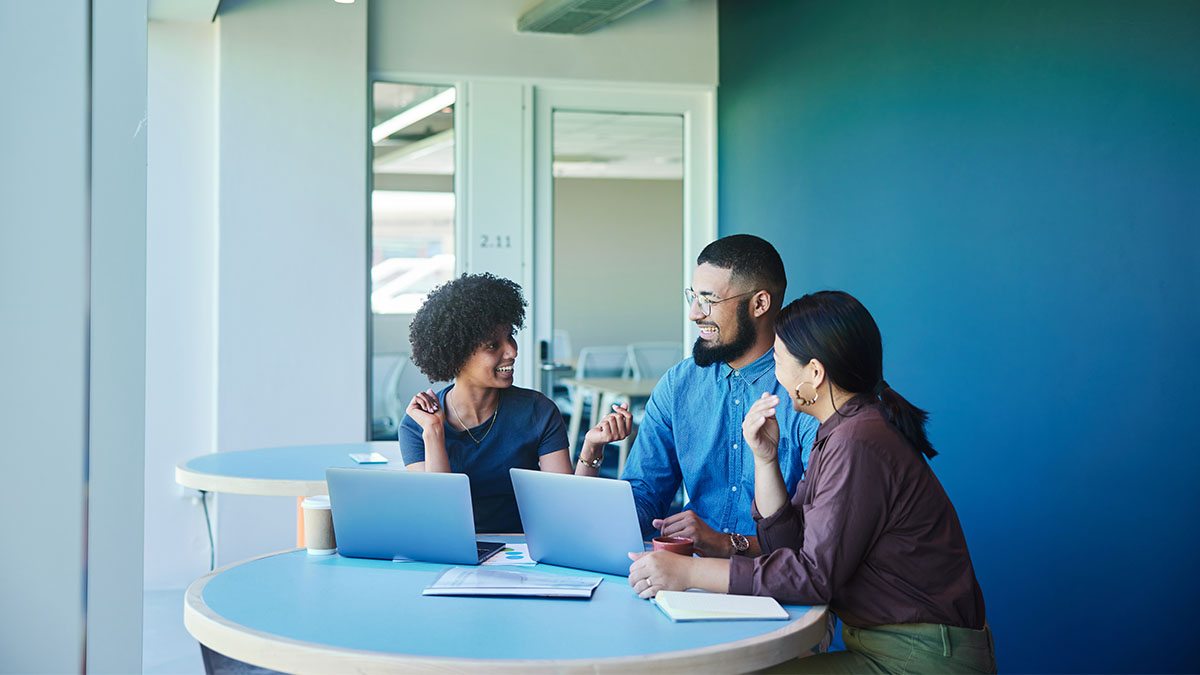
x=495, y=241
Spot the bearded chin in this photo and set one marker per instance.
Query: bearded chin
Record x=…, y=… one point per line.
x=705, y=354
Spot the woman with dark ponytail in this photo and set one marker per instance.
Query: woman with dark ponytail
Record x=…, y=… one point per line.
x=870, y=531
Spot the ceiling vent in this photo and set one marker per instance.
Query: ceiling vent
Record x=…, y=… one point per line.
x=574, y=16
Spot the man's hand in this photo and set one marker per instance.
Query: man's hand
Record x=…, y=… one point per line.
x=708, y=541
x=659, y=571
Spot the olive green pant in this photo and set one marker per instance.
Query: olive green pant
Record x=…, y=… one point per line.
x=904, y=648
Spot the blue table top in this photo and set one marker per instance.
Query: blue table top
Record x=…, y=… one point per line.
x=377, y=606
x=293, y=462
x=295, y=470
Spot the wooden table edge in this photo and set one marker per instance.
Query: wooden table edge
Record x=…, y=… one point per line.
x=294, y=656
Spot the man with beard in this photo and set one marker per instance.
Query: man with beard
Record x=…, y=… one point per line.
x=692, y=430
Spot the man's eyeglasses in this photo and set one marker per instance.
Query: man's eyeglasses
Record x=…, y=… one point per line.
x=706, y=302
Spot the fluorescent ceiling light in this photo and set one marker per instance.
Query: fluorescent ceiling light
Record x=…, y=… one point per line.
x=386, y=157
x=412, y=115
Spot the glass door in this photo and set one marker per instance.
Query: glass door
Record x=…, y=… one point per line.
x=623, y=202
x=412, y=232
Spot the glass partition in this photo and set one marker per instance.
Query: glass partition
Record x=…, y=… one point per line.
x=618, y=226
x=412, y=232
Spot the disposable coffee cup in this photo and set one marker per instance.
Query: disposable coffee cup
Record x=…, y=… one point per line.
x=318, y=526
x=680, y=545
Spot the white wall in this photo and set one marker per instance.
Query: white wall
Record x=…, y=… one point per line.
x=44, y=188
x=117, y=398
x=292, y=251
x=181, y=239
x=616, y=262
x=669, y=41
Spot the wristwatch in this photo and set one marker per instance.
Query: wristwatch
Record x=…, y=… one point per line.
x=739, y=543
x=594, y=463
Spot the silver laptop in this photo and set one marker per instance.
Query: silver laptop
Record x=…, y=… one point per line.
x=405, y=515
x=576, y=521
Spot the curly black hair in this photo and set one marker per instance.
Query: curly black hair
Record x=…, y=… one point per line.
x=460, y=316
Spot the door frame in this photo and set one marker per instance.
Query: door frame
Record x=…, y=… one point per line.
x=697, y=107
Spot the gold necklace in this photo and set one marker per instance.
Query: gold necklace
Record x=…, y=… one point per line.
x=466, y=428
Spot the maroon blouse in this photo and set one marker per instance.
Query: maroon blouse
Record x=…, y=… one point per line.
x=870, y=532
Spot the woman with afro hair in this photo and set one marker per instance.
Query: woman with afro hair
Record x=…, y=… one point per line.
x=481, y=425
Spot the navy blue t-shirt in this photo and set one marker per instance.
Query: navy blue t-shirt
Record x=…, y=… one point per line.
x=528, y=425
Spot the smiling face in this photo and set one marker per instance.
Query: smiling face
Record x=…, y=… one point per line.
x=491, y=364
x=728, y=332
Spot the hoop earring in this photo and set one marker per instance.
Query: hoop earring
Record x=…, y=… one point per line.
x=806, y=400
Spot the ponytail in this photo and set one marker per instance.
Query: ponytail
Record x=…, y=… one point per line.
x=834, y=328
x=906, y=417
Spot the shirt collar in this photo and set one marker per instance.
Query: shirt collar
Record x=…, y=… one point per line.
x=848, y=409
x=752, y=371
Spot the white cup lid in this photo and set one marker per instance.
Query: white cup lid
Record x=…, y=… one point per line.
x=317, y=502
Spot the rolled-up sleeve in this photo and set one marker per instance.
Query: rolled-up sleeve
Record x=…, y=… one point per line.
x=812, y=549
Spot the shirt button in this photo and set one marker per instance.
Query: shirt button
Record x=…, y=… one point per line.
x=726, y=530
x=733, y=488
x=735, y=446
x=736, y=401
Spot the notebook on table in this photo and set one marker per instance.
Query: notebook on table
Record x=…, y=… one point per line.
x=405, y=515
x=577, y=521
x=701, y=606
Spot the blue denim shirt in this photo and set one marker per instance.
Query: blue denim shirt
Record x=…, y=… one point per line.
x=692, y=432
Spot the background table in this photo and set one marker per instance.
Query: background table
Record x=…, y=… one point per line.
x=603, y=392
x=286, y=471
x=328, y=614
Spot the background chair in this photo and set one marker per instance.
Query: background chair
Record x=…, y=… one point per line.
x=562, y=346
x=600, y=361
x=607, y=361
x=649, y=360
x=385, y=373
x=394, y=381
x=562, y=361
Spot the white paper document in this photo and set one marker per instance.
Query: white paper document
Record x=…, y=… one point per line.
x=482, y=581
x=701, y=606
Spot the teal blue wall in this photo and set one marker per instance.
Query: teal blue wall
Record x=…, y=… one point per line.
x=1013, y=189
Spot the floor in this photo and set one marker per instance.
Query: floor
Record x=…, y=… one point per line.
x=167, y=648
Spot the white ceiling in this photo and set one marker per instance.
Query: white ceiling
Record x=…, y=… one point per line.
x=604, y=145
x=181, y=10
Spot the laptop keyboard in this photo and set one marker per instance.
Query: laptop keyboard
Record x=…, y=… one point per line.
x=485, y=550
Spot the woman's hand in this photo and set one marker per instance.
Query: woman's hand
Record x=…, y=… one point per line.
x=659, y=571
x=615, y=426
x=427, y=412
x=761, y=429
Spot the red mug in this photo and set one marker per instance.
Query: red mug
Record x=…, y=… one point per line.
x=680, y=545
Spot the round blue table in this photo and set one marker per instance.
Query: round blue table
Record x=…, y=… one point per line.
x=306, y=614
x=288, y=471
